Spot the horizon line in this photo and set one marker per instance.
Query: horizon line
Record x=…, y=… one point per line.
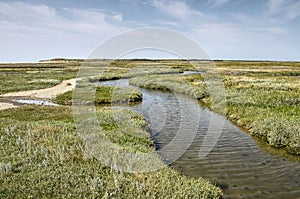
x=145, y=59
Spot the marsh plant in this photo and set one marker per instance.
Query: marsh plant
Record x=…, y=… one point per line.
x=106, y=95
x=43, y=156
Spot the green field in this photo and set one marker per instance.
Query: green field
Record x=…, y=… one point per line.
x=42, y=155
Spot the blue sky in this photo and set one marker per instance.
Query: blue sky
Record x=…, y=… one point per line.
x=227, y=29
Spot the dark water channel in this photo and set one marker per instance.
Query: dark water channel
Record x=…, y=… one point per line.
x=237, y=163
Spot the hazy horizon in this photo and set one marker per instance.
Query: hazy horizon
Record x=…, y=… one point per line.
x=143, y=58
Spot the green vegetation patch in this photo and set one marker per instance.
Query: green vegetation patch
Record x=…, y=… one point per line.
x=267, y=105
x=41, y=155
x=106, y=94
x=109, y=94
x=193, y=85
x=21, y=77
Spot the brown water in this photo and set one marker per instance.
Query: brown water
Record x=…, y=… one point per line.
x=241, y=167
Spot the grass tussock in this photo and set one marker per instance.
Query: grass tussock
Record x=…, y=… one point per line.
x=43, y=156
x=106, y=94
x=192, y=86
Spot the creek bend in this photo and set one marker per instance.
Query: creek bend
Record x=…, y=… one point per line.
x=237, y=164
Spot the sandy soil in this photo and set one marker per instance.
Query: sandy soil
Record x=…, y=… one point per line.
x=4, y=105
x=47, y=93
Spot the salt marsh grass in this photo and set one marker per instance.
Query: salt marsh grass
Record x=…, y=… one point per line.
x=43, y=156
x=21, y=77
x=263, y=97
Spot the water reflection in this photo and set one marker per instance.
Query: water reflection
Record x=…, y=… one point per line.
x=35, y=102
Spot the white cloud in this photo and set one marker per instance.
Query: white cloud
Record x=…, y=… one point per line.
x=32, y=32
x=272, y=30
x=24, y=14
x=177, y=9
x=259, y=24
x=41, y=17
x=287, y=8
x=118, y=17
x=275, y=6
x=89, y=21
x=218, y=2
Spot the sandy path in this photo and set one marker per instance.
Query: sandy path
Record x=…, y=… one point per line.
x=4, y=105
x=47, y=93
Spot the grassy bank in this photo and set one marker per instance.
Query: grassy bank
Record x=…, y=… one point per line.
x=105, y=95
x=192, y=85
x=43, y=156
x=265, y=100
